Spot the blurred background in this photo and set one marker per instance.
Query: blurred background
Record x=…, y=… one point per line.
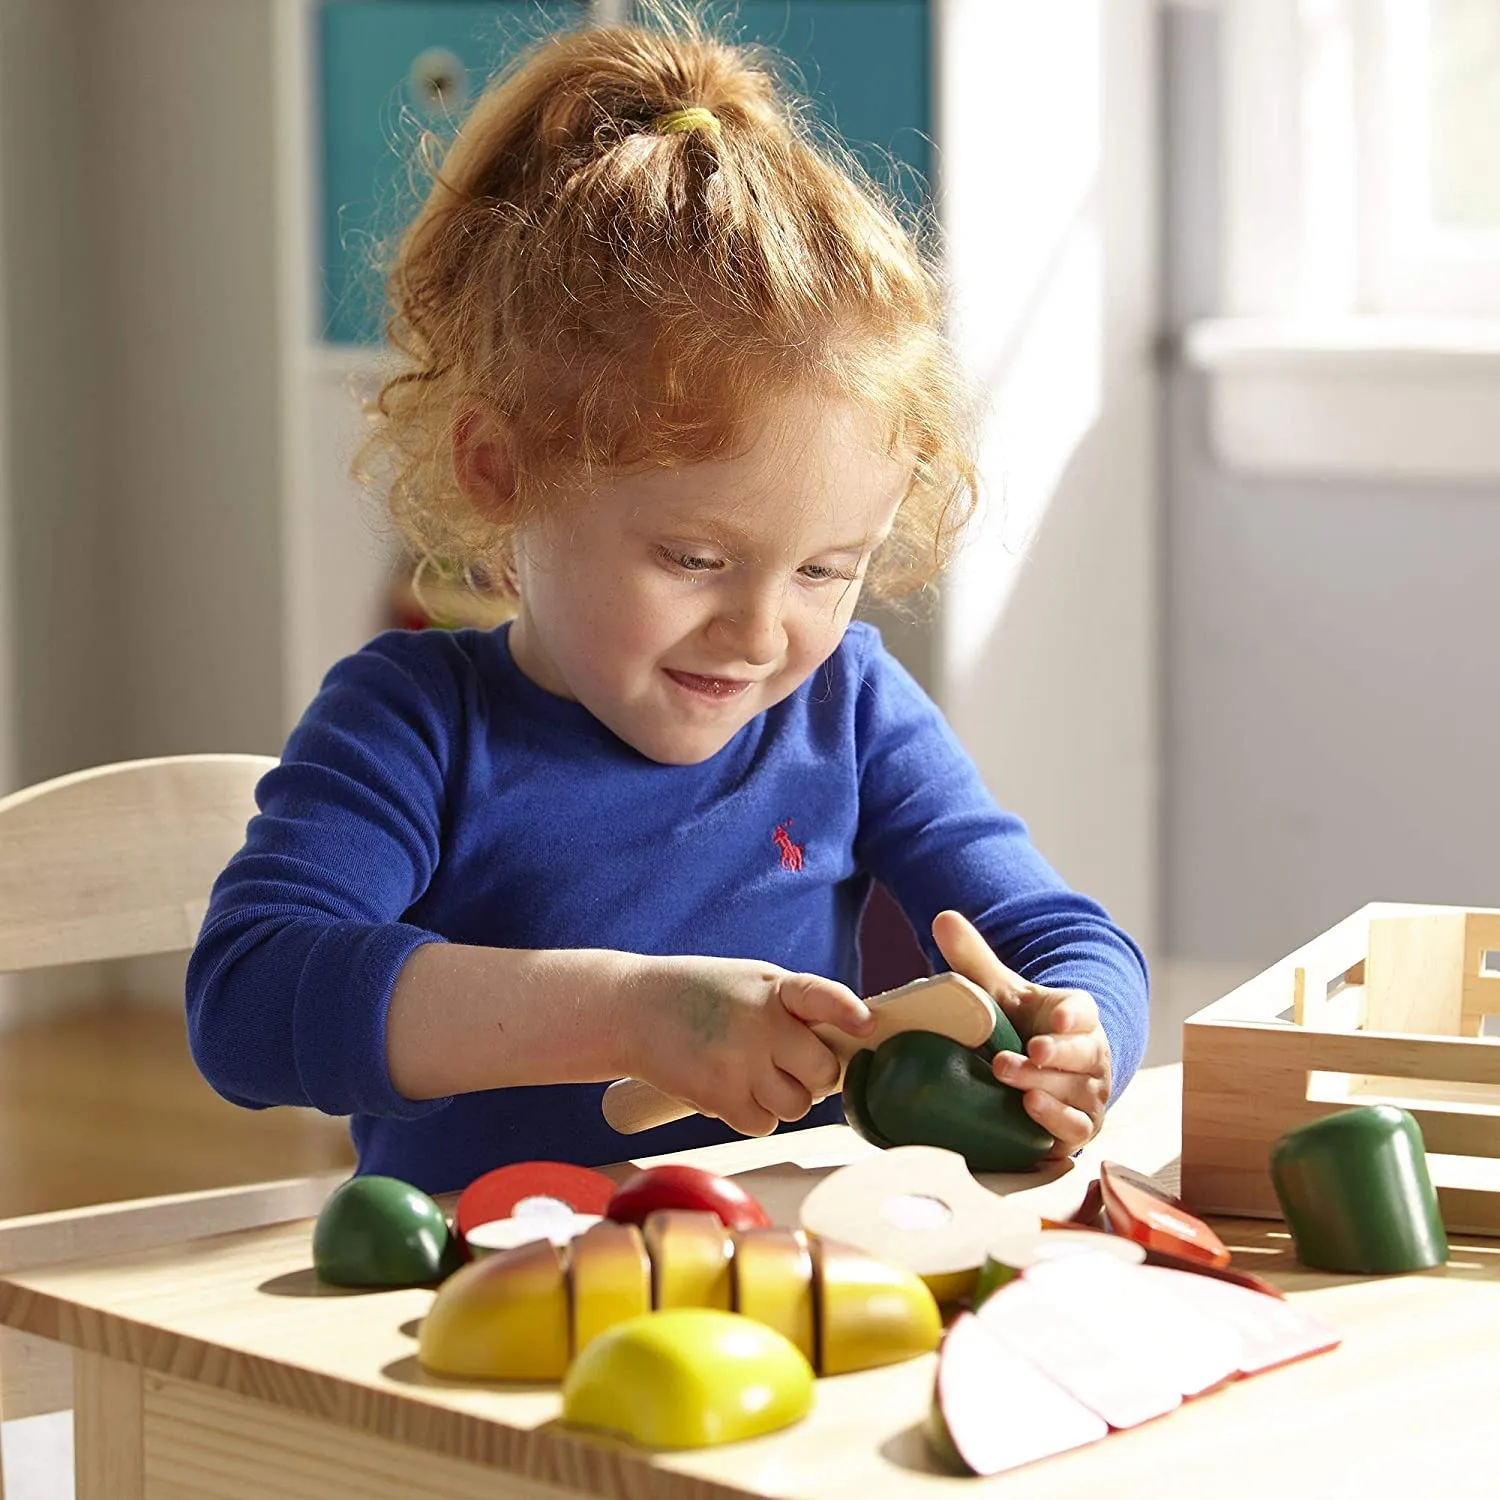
x=1227, y=633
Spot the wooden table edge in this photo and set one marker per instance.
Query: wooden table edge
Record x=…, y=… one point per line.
x=546, y=1454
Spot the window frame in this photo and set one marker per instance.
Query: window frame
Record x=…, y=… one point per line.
x=1406, y=265
x=1327, y=361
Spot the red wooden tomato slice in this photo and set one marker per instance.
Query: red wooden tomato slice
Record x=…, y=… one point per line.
x=672, y=1185
x=1140, y=1211
x=531, y=1187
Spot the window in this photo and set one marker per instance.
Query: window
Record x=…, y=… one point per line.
x=1361, y=236
x=1429, y=102
x=1361, y=142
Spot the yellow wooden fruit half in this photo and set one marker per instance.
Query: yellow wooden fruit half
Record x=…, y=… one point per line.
x=773, y=1283
x=869, y=1313
x=520, y=1314
x=690, y=1259
x=688, y=1378
x=501, y=1318
x=609, y=1279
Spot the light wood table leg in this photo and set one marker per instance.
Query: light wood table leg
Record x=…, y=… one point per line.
x=108, y=1429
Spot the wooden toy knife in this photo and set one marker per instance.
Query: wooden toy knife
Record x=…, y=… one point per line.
x=948, y=1004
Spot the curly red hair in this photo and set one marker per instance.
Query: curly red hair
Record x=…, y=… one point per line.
x=623, y=295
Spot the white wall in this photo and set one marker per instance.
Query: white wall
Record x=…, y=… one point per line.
x=9, y=725
x=59, y=694
x=139, y=489
x=186, y=189
x=62, y=702
x=1333, y=648
x=138, y=270
x=8, y=618
x=1050, y=648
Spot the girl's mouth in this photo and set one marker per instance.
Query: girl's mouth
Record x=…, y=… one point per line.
x=708, y=687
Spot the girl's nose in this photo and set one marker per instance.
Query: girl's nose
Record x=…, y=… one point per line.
x=750, y=624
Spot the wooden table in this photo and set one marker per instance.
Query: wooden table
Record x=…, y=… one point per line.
x=221, y=1368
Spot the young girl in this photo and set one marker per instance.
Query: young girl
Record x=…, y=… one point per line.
x=677, y=383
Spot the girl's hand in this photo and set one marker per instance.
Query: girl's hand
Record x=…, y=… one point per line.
x=730, y=1036
x=1065, y=1074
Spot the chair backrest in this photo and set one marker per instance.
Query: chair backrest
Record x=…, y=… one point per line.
x=118, y=861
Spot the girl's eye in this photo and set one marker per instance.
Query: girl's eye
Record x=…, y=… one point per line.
x=820, y=573
x=688, y=562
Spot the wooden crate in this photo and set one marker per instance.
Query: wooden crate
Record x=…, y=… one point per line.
x=1388, y=1006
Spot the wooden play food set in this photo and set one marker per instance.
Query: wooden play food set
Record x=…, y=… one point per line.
x=1085, y=1344
x=917, y=1207
x=688, y=1378
x=675, y=1185
x=531, y=1189
x=506, y=1234
x=922, y=1089
x=219, y=1367
x=1018, y=1253
x=1356, y=1194
x=684, y=1319
x=1140, y=1211
x=691, y=1326
x=944, y=1003
x=525, y=1314
x=1387, y=1007
x=377, y=1231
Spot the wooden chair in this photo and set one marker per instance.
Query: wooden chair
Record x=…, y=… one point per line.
x=117, y=862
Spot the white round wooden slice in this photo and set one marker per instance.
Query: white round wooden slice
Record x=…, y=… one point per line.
x=506, y=1234
x=1025, y=1250
x=915, y=1206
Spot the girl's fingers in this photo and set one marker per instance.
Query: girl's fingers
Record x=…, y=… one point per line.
x=968, y=954
x=1085, y=1091
x=783, y=1096
x=799, y=1055
x=1065, y=1011
x=751, y=1118
x=1074, y=1053
x=814, y=999
x=1069, y=1128
x=1065, y=1075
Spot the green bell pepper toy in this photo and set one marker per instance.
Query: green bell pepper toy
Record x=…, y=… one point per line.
x=921, y=1089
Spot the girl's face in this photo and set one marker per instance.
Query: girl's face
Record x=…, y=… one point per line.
x=676, y=604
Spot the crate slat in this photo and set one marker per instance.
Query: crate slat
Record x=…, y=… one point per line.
x=1251, y=1059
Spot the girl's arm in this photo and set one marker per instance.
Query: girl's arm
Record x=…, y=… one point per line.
x=307, y=988
x=932, y=833
x=303, y=942
x=728, y=1035
x=463, y=1018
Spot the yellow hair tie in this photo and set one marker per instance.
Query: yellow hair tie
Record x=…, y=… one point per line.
x=680, y=121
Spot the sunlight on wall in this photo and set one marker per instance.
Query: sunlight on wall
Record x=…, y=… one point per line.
x=1047, y=397
x=1020, y=122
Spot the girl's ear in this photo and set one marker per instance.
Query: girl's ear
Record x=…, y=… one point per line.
x=482, y=460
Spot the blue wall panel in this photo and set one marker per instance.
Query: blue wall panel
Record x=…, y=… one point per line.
x=865, y=65
x=378, y=61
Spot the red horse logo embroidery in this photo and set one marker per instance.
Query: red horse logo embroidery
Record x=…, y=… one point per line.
x=791, y=854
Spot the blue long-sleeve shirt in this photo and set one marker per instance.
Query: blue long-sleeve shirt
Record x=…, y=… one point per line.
x=432, y=792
